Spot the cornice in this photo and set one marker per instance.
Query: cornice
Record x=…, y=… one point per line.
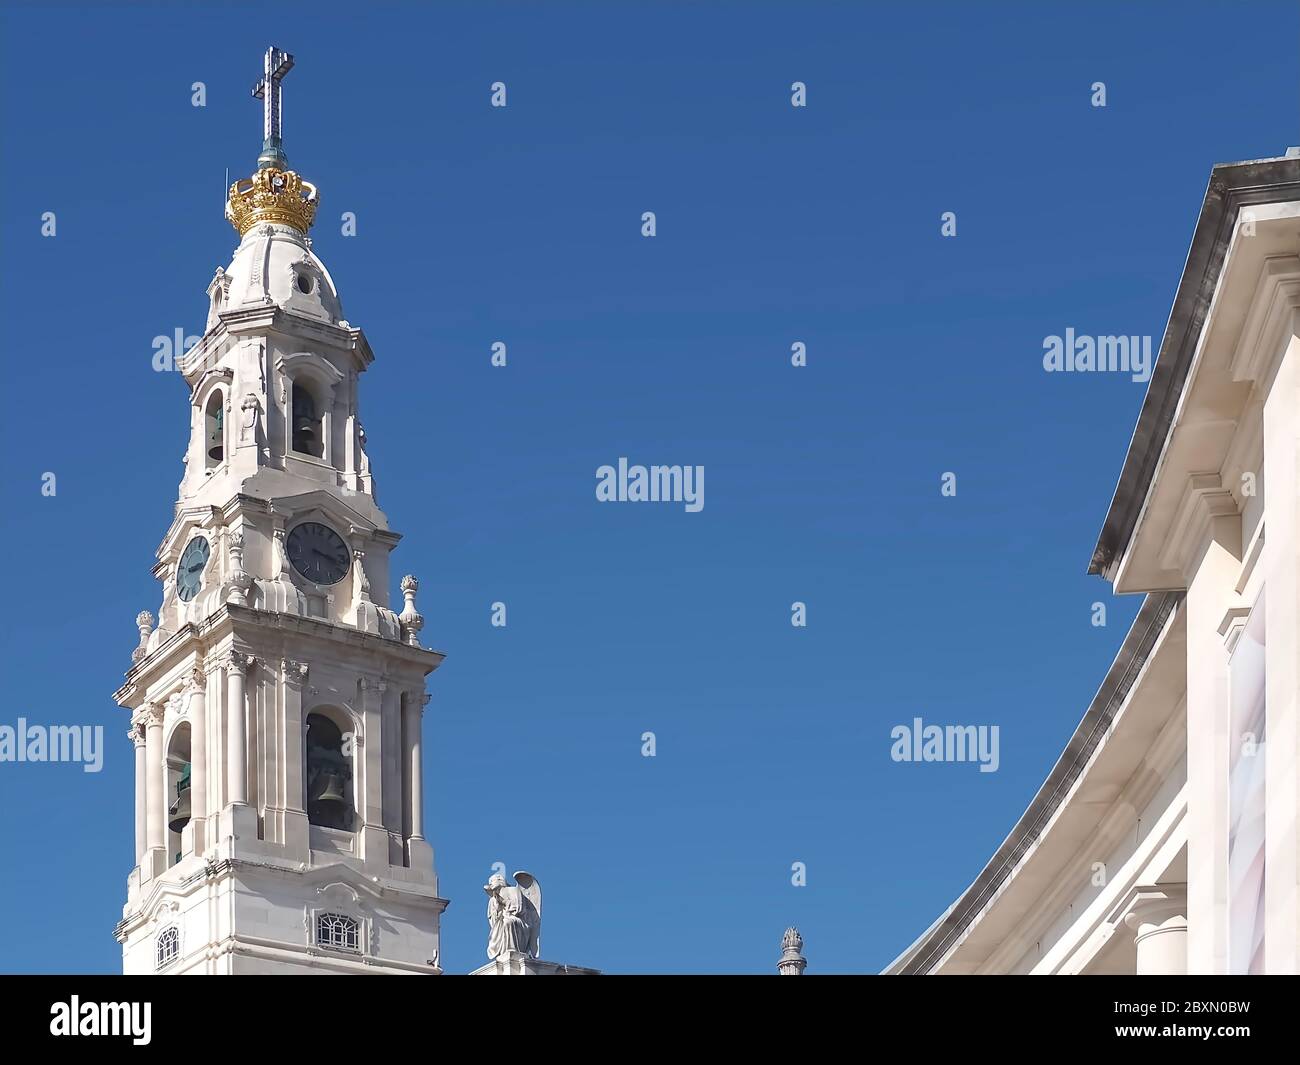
x=1204, y=500
x=378, y=887
x=1270, y=320
x=192, y=514
x=937, y=942
x=272, y=318
x=1232, y=187
x=243, y=618
x=159, y=662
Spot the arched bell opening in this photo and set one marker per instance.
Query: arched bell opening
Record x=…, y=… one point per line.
x=178, y=789
x=214, y=430
x=305, y=419
x=329, y=775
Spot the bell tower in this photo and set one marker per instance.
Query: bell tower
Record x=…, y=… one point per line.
x=276, y=702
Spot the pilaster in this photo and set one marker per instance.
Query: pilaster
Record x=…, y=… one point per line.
x=372, y=835
x=1281, y=561
x=154, y=860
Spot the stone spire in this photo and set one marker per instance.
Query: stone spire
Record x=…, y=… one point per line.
x=792, y=961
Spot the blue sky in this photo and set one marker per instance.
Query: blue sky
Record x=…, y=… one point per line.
x=522, y=224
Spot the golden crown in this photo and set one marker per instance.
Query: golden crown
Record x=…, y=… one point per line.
x=272, y=195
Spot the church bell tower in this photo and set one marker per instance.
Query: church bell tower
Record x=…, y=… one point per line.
x=276, y=703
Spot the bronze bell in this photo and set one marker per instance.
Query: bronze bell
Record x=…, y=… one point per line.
x=304, y=434
x=178, y=814
x=331, y=791
x=216, y=442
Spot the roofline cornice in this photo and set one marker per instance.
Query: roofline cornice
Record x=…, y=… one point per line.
x=1232, y=186
x=930, y=950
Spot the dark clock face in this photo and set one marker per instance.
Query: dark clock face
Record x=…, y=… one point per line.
x=318, y=553
x=189, y=574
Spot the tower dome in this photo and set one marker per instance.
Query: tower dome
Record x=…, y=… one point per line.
x=275, y=264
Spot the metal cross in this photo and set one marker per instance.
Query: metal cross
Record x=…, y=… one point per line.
x=275, y=65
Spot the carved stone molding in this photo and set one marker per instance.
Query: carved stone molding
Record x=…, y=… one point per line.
x=1205, y=501
x=197, y=681
x=295, y=672
x=1270, y=319
x=1153, y=906
x=152, y=713
x=237, y=661
x=177, y=703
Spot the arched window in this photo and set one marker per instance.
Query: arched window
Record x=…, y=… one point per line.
x=338, y=931
x=168, y=947
x=329, y=775
x=306, y=422
x=214, y=430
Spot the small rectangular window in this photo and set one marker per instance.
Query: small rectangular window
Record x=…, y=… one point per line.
x=338, y=932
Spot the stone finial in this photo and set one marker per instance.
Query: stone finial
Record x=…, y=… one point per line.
x=240, y=582
x=410, y=618
x=792, y=961
x=143, y=622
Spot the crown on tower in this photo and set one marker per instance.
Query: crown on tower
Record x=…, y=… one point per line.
x=272, y=195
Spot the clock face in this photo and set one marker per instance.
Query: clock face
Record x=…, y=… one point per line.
x=189, y=574
x=318, y=553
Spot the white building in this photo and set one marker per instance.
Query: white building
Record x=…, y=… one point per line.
x=276, y=706
x=1166, y=838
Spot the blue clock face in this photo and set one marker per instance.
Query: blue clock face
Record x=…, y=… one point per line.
x=189, y=574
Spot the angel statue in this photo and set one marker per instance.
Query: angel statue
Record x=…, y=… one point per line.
x=514, y=915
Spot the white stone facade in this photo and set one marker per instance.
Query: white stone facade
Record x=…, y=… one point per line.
x=227, y=680
x=1164, y=841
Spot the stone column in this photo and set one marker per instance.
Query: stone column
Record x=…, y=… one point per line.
x=419, y=855
x=198, y=756
x=236, y=666
x=155, y=798
x=413, y=713
x=1158, y=914
x=136, y=735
